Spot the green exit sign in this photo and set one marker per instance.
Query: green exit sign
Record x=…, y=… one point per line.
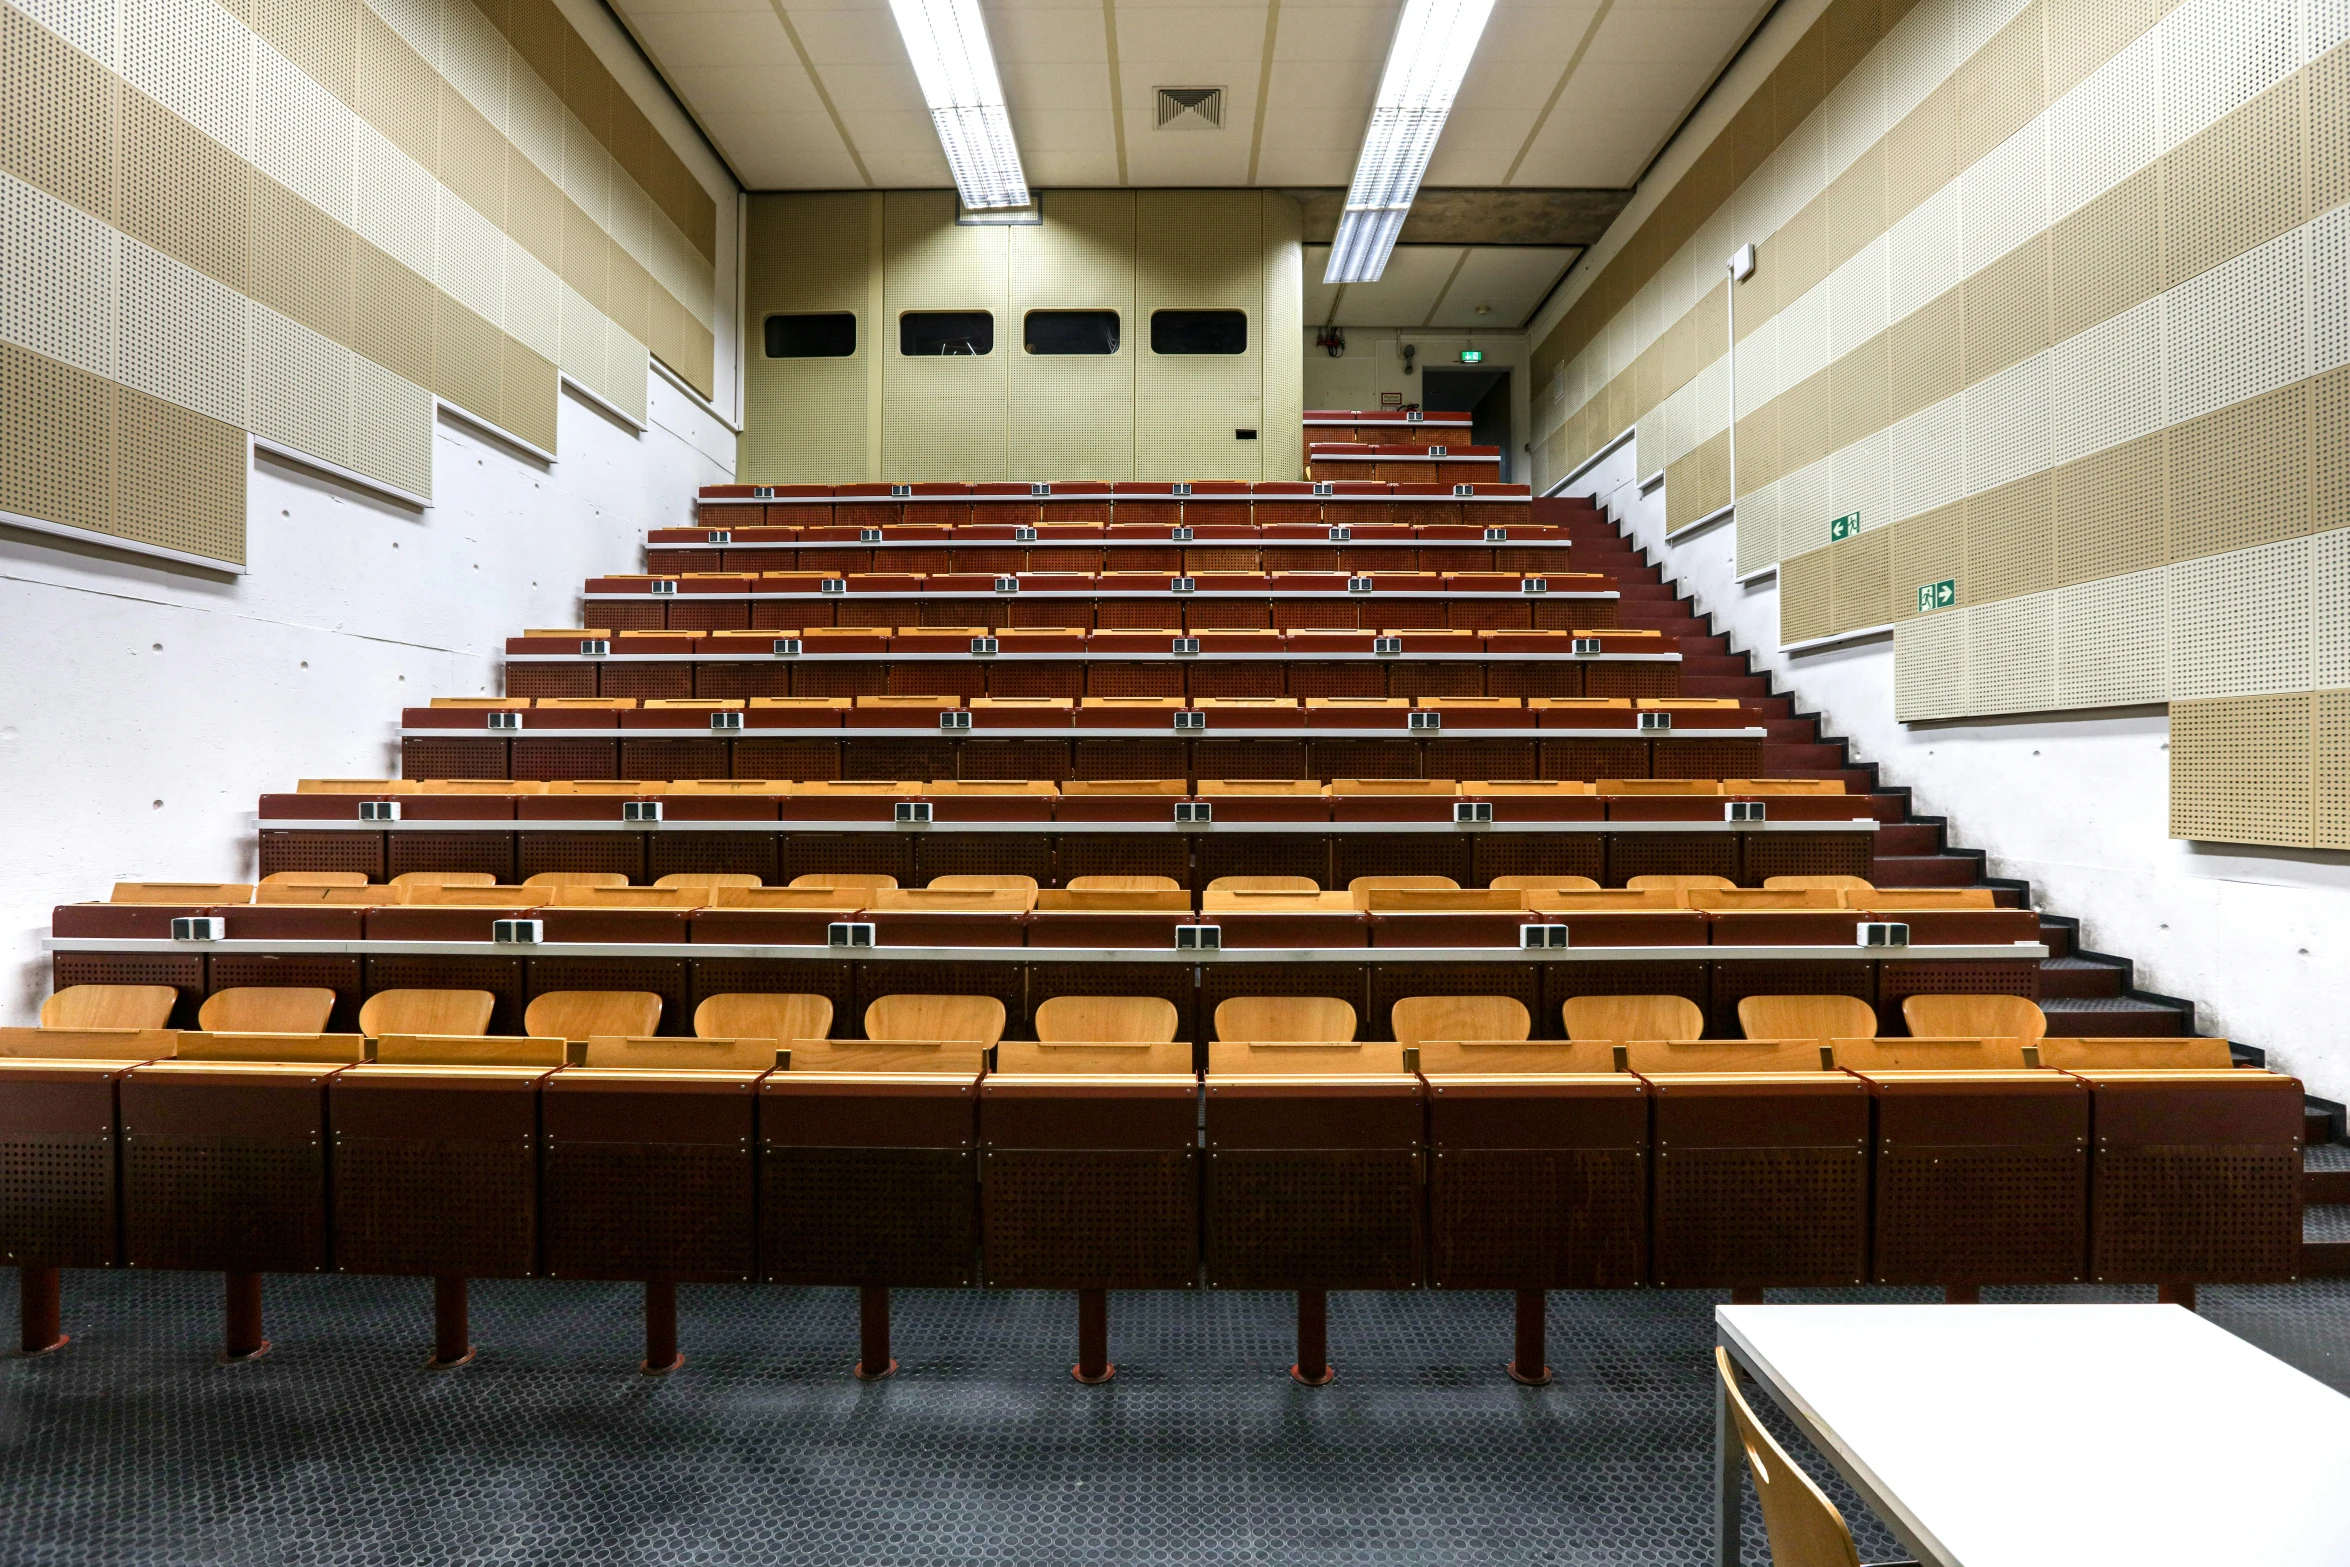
x=1844, y=527
x=1472, y=356
x=1937, y=595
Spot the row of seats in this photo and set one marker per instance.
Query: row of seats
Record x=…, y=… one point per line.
x=1124, y=642
x=1012, y=496
x=1652, y=715
x=716, y=670
x=902, y=579
x=1095, y=788
x=1350, y=615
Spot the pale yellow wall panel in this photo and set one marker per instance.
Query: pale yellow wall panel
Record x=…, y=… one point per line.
x=2006, y=306
x=2238, y=183
x=302, y=260
x=2242, y=770
x=1862, y=578
x=2240, y=477
x=320, y=36
x=1806, y=422
x=2000, y=89
x=473, y=155
x=179, y=478
x=56, y=455
x=2009, y=541
x=1927, y=548
x=2107, y=257
x=301, y=387
x=1925, y=357
x=1199, y=249
x=526, y=394
x=626, y=294
x=391, y=428
x=1282, y=434
x=392, y=314
x=183, y=192
x=943, y=418
x=1071, y=416
x=2329, y=442
x=468, y=356
x=1859, y=394
x=59, y=128
x=586, y=252
x=2329, y=129
x=1856, y=206
x=805, y=420
x=2108, y=511
x=534, y=209
x=2084, y=34
x=1806, y=596
x=398, y=92
x=2330, y=759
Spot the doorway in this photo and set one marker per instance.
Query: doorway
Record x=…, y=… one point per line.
x=1484, y=395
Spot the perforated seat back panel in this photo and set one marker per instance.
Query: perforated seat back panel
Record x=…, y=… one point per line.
x=648, y=1210
x=893, y=1216
x=1091, y=1218
x=1313, y=1219
x=1537, y=1218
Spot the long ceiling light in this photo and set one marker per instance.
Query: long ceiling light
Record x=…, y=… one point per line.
x=948, y=43
x=1434, y=42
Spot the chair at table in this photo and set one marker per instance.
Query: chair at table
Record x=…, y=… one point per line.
x=1806, y=1017
x=1804, y=1527
x=1975, y=1017
x=110, y=1006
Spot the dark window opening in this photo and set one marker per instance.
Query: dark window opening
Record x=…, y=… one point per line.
x=1071, y=331
x=1199, y=331
x=832, y=335
x=934, y=334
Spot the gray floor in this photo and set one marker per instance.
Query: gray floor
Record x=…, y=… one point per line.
x=133, y=1446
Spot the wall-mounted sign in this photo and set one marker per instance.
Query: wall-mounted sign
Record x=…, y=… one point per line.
x=1843, y=527
x=1937, y=595
x=1472, y=356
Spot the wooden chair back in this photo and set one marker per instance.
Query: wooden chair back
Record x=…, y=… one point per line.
x=1483, y=1019
x=1107, y=1019
x=1975, y=1017
x=1804, y=1528
x=1544, y=884
x=1618, y=1018
x=773, y=1019
x=266, y=1009
x=1363, y=884
x=1025, y=884
x=1264, y=884
x=948, y=1019
x=468, y=1050
x=1761, y=900
x=444, y=879
x=684, y=1055
x=1660, y=1056
x=1681, y=884
x=2135, y=1055
x=200, y=892
x=1818, y=884
x=1124, y=884
x=315, y=879
x=427, y=1012
x=576, y=879
x=709, y=879
x=110, y=1006
x=1286, y=1019
x=1919, y=900
x=582, y=1014
x=1806, y=1017
x=855, y=881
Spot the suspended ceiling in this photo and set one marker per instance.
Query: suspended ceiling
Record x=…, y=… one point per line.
x=818, y=95
x=1472, y=288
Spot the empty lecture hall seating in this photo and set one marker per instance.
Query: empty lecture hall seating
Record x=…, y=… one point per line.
x=1372, y=881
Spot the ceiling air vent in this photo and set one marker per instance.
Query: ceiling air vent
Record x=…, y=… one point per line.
x=1191, y=108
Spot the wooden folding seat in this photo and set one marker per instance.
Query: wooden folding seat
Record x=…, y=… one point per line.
x=858, y=881
x=110, y=1006
x=708, y=879
x=1818, y=883
x=1117, y=883
x=1532, y=884
x=1361, y=887
x=454, y=1012
x=1314, y=1147
x=224, y=1169
x=1680, y=884
x=435, y=1160
x=949, y=916
x=267, y=1009
x=407, y=879
x=1976, y=1016
x=1806, y=1017
x=773, y=1020
x=201, y=893
x=1617, y=917
x=586, y=1014
x=315, y=879
x=1282, y=917
x=1091, y=1164
x=557, y=879
x=1538, y=1162
x=1615, y=1019
x=977, y=1021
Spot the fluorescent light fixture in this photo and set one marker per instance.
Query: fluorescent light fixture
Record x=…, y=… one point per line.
x=947, y=41
x=1434, y=42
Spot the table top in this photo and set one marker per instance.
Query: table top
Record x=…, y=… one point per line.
x=2003, y=1435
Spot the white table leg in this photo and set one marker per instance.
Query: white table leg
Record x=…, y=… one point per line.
x=1729, y=1496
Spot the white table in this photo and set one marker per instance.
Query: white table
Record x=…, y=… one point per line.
x=2000, y=1436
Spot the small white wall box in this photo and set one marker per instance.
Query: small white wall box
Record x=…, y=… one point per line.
x=518, y=933
x=1881, y=933
x=1199, y=938
x=848, y=933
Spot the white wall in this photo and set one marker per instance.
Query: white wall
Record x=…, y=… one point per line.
x=1373, y=364
x=152, y=704
x=2077, y=804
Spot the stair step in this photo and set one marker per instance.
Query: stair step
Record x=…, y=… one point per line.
x=2327, y=1224
x=1793, y=731
x=1900, y=838
x=2325, y=1259
x=2098, y=1017
x=1902, y=870
x=1744, y=687
x=2074, y=978
x=2058, y=939
x=2325, y=1186
x=1778, y=758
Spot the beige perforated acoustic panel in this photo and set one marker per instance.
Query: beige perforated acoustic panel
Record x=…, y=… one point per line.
x=1806, y=596
x=804, y=420
x=2108, y=512
x=1199, y=250
x=2329, y=609
x=302, y=261
x=60, y=115
x=183, y=192
x=1927, y=548
x=1282, y=433
x=943, y=417
x=391, y=428
x=1072, y=415
x=2009, y=540
x=526, y=393
x=179, y=478
x=1758, y=527
x=2330, y=759
x=56, y=452
x=1862, y=572
x=2106, y=258
x=2241, y=770
x=468, y=356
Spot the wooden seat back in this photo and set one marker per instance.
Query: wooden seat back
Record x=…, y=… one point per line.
x=684, y=1055
x=1302, y=1058
x=942, y=1019
x=444, y=879
x=266, y=1009
x=583, y=1014
x=1804, y=1528
x=270, y=1045
x=1615, y=1019
x=1818, y=883
x=110, y=1006
x=1286, y=1019
x=576, y=879
x=90, y=1044
x=1681, y=884
x=709, y=879
x=1513, y=1058
x=1124, y=884
x=1544, y=884
x=181, y=892
x=1025, y=884
x=1483, y=1019
x=1806, y=1017
x=427, y=1012
x=772, y=1019
x=315, y=879
x=1975, y=1016
x=1107, y=1019
x=1264, y=884
x=853, y=881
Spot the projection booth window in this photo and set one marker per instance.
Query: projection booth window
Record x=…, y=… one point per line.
x=937, y=334
x=829, y=335
x=1199, y=331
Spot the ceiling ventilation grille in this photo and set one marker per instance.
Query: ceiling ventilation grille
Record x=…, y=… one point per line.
x=1191, y=108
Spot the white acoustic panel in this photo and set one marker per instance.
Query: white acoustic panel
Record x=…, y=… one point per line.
x=583, y=328
x=2011, y=655
x=2329, y=288
x=1852, y=116
x=2329, y=609
x=191, y=57
x=301, y=387
x=1806, y=503
x=397, y=203
x=2329, y=25
x=2112, y=646
x=534, y=118
x=473, y=58
x=470, y=260
x=1862, y=482
x=302, y=134
x=1930, y=667
x=2239, y=330
x=1917, y=58
x=2217, y=54
x=1978, y=21
x=1758, y=365
x=2007, y=425
x=2107, y=128
x=391, y=428
x=2240, y=622
x=1758, y=529
x=1927, y=458
x=2003, y=199
x=59, y=266
x=91, y=26
x=1803, y=171
x=418, y=22
x=1858, y=291
x=587, y=169
x=2105, y=384
x=627, y=364
x=182, y=336
x=1709, y=401
x=533, y=304
x=1924, y=254
x=1804, y=336
x=1648, y=442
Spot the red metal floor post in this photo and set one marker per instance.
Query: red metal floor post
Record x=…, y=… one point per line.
x=2176, y=1295
x=1313, y=1339
x=38, y=1302
x=873, y=1361
x=243, y=1340
x=1093, y=1338
x=1530, y=1364
x=1962, y=1294
x=452, y=1328
x=661, y=1356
